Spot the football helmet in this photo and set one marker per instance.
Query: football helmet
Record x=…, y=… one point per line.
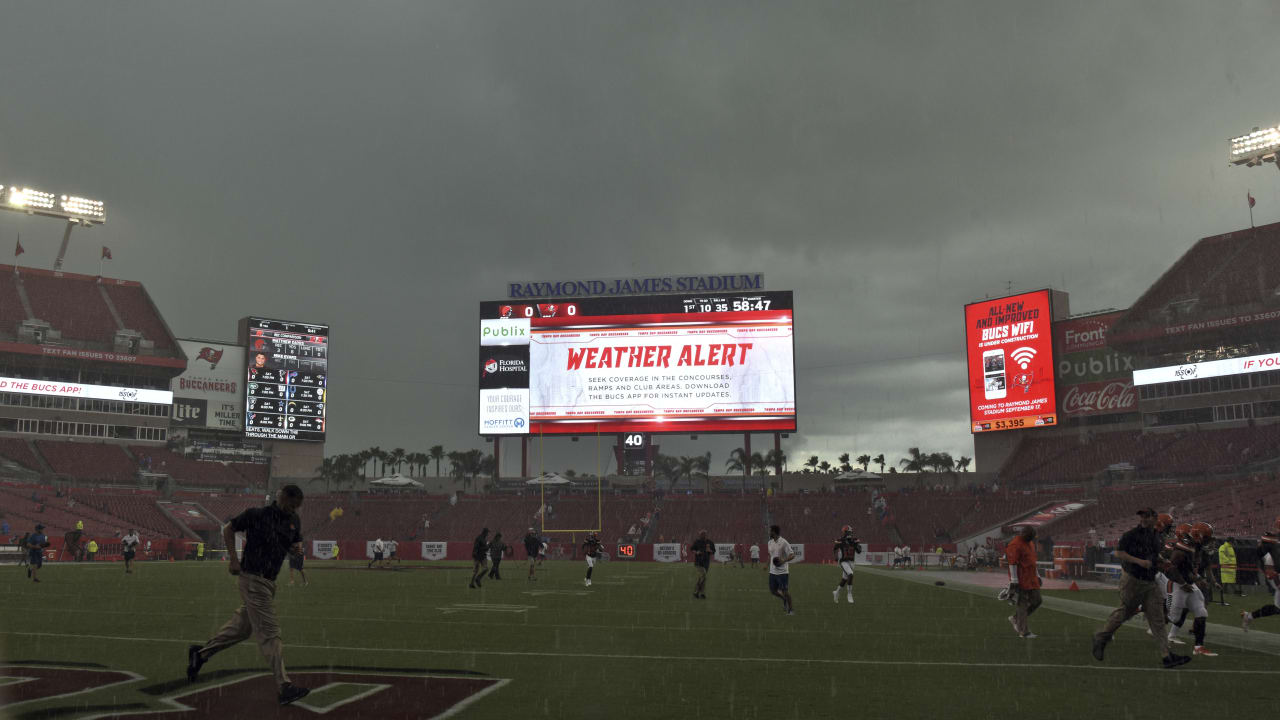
x=1183, y=530
x=1163, y=521
x=1201, y=532
x=846, y=530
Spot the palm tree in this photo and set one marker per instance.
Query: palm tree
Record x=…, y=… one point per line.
x=396, y=458
x=879, y=459
x=963, y=463
x=667, y=467
x=375, y=454
x=778, y=461
x=824, y=466
x=437, y=453
x=811, y=463
x=844, y=462
x=864, y=460
x=916, y=462
x=738, y=461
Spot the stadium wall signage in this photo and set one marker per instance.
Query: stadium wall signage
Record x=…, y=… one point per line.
x=96, y=355
x=1210, y=369
x=666, y=552
x=636, y=286
x=1092, y=378
x=93, y=392
x=434, y=550
x=210, y=392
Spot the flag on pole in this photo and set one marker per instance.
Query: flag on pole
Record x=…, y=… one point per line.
x=106, y=253
x=18, y=249
x=1252, y=201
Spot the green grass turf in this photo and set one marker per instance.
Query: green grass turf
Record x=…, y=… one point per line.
x=636, y=644
x=1227, y=615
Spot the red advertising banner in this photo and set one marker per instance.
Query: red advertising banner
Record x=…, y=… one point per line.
x=1009, y=345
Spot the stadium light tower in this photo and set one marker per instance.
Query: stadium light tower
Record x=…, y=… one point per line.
x=76, y=210
x=1255, y=147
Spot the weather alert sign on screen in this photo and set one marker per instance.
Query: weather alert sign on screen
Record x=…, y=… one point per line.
x=1010, y=355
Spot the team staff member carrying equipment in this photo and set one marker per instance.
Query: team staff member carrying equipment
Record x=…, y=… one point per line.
x=1139, y=551
x=270, y=533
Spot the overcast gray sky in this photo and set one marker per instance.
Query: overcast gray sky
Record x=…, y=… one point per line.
x=383, y=167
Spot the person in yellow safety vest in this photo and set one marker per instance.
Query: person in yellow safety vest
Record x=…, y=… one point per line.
x=335, y=551
x=80, y=525
x=1227, y=565
x=200, y=551
x=93, y=549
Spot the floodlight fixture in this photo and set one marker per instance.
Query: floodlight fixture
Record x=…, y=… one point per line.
x=72, y=208
x=1255, y=147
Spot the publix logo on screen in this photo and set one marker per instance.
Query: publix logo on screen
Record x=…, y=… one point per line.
x=504, y=332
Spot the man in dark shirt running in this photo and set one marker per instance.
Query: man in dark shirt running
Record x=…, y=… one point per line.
x=497, y=549
x=1139, y=551
x=532, y=546
x=480, y=555
x=270, y=533
x=703, y=550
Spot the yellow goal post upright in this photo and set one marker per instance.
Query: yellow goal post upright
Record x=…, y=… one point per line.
x=542, y=487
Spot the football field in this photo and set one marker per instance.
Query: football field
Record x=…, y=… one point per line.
x=416, y=642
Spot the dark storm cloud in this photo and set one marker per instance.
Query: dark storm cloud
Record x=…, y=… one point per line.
x=383, y=167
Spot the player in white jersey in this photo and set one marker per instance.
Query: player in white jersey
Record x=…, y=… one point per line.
x=129, y=544
x=780, y=556
x=1186, y=581
x=1268, y=562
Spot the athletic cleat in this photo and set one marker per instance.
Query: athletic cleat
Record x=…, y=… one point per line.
x=586, y=583
x=1176, y=641
x=1245, y=620
x=1013, y=621
x=1030, y=636
x=835, y=595
x=1173, y=661
x=1202, y=650
x=290, y=692
x=850, y=598
x=194, y=662
x=1099, y=645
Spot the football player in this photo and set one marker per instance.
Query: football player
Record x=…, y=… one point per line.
x=846, y=550
x=1187, y=592
x=591, y=546
x=1268, y=549
x=129, y=543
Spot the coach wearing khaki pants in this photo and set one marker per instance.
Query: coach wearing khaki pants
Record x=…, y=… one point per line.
x=1139, y=551
x=271, y=533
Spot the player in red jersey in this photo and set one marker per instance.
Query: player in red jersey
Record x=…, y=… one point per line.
x=1268, y=554
x=846, y=550
x=1187, y=582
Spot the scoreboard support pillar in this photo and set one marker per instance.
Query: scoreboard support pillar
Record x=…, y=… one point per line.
x=746, y=455
x=524, y=456
x=497, y=458
x=777, y=453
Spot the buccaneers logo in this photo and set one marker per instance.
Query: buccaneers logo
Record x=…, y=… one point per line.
x=213, y=356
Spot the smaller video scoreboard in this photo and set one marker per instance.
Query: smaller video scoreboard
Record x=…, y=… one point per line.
x=287, y=379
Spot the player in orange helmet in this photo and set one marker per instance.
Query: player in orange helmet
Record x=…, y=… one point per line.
x=1187, y=594
x=846, y=550
x=1268, y=552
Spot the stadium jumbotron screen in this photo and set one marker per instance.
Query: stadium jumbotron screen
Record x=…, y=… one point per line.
x=287, y=380
x=1010, y=357
x=661, y=363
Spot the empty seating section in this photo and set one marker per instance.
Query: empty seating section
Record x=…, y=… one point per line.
x=818, y=518
x=1243, y=509
x=1188, y=453
x=73, y=306
x=11, y=311
x=990, y=509
x=137, y=313
x=20, y=452
x=255, y=475
x=188, y=472
x=137, y=511
x=59, y=514
x=1185, y=279
x=735, y=519
x=88, y=460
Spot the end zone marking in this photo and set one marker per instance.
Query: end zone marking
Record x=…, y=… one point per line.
x=372, y=689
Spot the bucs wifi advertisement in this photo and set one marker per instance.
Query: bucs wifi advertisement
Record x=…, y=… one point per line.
x=661, y=363
x=1009, y=344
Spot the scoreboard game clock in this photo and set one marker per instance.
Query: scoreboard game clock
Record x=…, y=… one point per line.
x=641, y=364
x=287, y=380
x=626, y=551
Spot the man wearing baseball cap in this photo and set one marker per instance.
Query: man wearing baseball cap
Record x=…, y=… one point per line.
x=1139, y=550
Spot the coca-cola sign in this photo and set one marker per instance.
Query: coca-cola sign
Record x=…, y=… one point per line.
x=1101, y=398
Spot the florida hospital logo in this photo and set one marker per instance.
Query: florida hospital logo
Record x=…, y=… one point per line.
x=490, y=367
x=1024, y=380
x=213, y=356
